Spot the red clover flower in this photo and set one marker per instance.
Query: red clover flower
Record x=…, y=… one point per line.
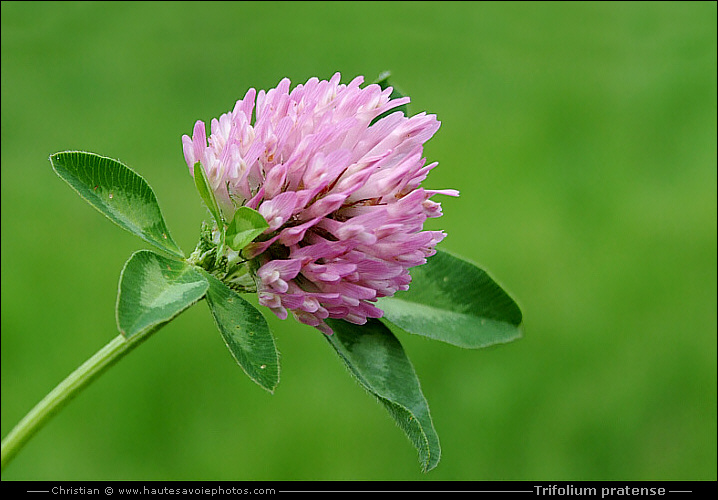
x=340, y=190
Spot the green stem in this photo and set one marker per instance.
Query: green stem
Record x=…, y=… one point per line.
x=67, y=390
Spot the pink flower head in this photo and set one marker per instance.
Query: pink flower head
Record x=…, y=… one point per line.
x=341, y=194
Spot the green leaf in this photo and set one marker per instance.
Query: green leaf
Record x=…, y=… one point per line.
x=374, y=355
x=384, y=81
x=454, y=301
x=154, y=289
x=118, y=192
x=207, y=194
x=246, y=225
x=246, y=333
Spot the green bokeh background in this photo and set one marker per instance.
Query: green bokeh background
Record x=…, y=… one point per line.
x=582, y=137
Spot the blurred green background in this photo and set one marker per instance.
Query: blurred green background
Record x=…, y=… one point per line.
x=582, y=137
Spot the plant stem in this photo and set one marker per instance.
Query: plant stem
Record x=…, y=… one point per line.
x=68, y=389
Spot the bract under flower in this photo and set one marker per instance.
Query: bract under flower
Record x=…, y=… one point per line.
x=341, y=194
